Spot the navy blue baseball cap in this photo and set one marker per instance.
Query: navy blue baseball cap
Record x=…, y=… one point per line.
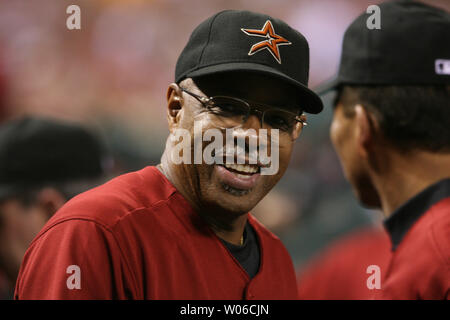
x=412, y=47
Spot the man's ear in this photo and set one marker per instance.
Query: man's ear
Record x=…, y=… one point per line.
x=50, y=200
x=299, y=127
x=366, y=126
x=174, y=105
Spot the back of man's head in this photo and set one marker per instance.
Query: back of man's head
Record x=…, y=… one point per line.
x=400, y=74
x=410, y=117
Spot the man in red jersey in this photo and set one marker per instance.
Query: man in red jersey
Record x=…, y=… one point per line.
x=348, y=269
x=181, y=230
x=43, y=163
x=391, y=132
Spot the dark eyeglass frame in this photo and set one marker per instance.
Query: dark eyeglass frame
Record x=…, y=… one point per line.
x=205, y=101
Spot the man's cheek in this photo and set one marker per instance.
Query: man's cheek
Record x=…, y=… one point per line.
x=274, y=164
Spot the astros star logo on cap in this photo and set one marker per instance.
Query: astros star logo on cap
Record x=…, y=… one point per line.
x=271, y=43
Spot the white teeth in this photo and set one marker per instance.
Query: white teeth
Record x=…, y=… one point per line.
x=242, y=167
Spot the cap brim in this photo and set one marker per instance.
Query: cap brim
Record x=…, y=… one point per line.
x=312, y=102
x=327, y=87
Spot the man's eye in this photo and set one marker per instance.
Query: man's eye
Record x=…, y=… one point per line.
x=278, y=122
x=227, y=109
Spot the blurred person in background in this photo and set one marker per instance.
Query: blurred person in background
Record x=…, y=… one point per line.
x=5, y=287
x=43, y=163
x=390, y=130
x=343, y=269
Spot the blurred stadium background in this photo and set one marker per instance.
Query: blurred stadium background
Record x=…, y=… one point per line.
x=112, y=75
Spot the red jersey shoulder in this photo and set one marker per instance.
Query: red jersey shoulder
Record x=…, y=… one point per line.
x=430, y=234
x=439, y=229
x=110, y=202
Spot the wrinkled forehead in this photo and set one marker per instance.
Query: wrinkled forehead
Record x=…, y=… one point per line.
x=258, y=88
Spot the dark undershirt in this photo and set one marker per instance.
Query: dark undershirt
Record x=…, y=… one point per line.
x=248, y=254
x=402, y=219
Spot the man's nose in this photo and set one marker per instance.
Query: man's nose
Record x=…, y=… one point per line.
x=248, y=139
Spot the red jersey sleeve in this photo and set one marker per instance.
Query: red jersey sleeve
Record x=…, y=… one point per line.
x=74, y=259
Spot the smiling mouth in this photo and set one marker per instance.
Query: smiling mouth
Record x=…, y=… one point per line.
x=242, y=169
x=238, y=179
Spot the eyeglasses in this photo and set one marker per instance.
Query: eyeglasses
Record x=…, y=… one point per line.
x=230, y=112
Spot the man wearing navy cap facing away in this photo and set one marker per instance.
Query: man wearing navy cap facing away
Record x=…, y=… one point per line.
x=391, y=131
x=182, y=230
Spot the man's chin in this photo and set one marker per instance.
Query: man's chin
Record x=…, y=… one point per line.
x=235, y=201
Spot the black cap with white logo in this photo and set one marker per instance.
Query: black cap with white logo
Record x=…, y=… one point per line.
x=250, y=42
x=412, y=47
